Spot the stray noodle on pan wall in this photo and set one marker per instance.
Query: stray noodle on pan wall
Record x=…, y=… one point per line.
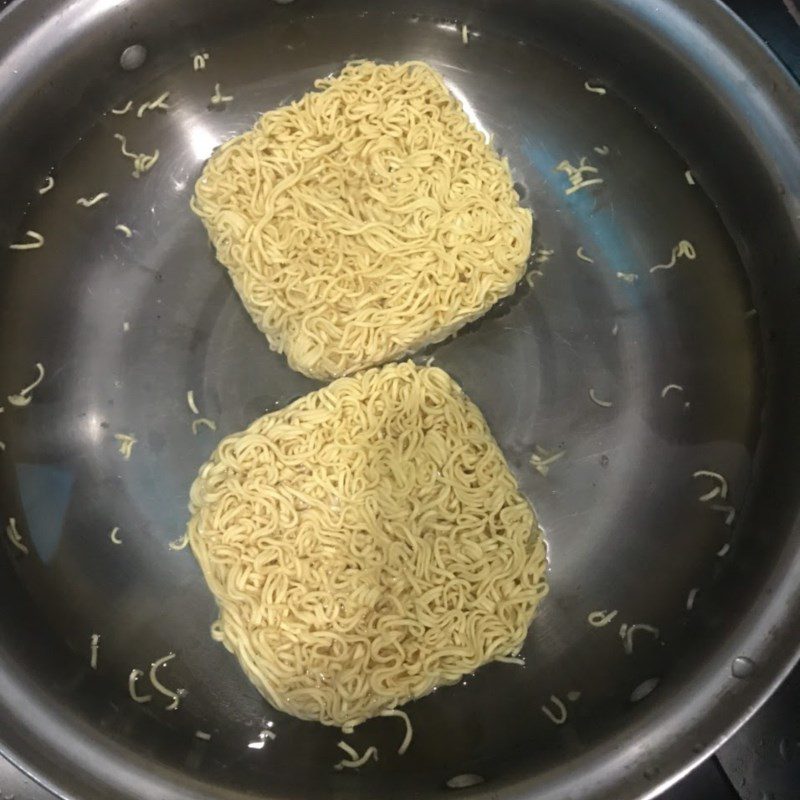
x=365, y=220
x=366, y=544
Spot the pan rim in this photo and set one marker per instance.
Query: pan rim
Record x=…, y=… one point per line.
x=740, y=708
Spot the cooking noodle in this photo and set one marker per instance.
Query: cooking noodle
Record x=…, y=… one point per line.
x=365, y=220
x=366, y=544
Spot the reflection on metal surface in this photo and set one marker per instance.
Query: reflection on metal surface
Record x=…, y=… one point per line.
x=791, y=7
x=132, y=322
x=263, y=737
x=474, y=117
x=201, y=140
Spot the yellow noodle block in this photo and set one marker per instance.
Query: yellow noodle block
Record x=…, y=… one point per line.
x=365, y=220
x=366, y=544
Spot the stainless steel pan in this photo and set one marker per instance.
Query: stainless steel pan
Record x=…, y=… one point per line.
x=126, y=326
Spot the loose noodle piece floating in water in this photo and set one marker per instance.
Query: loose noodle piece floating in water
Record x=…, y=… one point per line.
x=684, y=249
x=142, y=162
x=23, y=398
x=595, y=89
x=599, y=619
x=577, y=175
x=125, y=230
x=531, y=275
x=126, y=443
x=89, y=202
x=179, y=544
x=199, y=61
x=395, y=712
x=720, y=491
x=516, y=660
x=196, y=423
x=35, y=244
x=217, y=98
x=48, y=185
x=689, y=177
x=137, y=698
x=632, y=629
x=124, y=110
x=559, y=717
x=209, y=423
x=350, y=245
x=583, y=257
x=603, y=150
x=628, y=277
x=597, y=401
x=542, y=459
x=159, y=103
x=114, y=536
x=670, y=387
x=379, y=506
x=728, y=511
x=355, y=760
x=347, y=749
x=158, y=686
x=464, y=34
x=14, y=536
x=691, y=598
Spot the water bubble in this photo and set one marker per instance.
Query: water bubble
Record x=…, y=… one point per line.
x=133, y=57
x=643, y=689
x=464, y=781
x=742, y=667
